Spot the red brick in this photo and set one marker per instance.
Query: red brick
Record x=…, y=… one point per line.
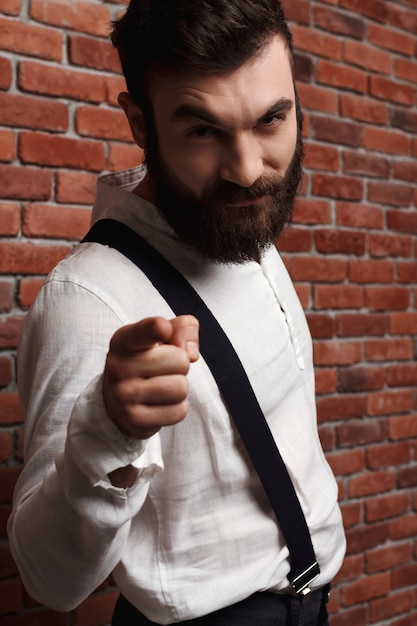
x=406, y=170
x=364, y=590
x=359, y=215
x=321, y=157
x=8, y=478
x=318, y=269
x=392, y=605
x=318, y=98
x=345, y=463
x=75, y=187
x=8, y=145
x=357, y=616
x=404, y=576
x=385, y=507
x=6, y=296
x=366, y=56
x=9, y=218
x=321, y=325
x=363, y=109
x=407, y=272
x=407, y=477
x=371, y=483
x=347, y=78
x=26, y=258
x=11, y=7
x=402, y=427
x=355, y=432
x=363, y=538
x=295, y=240
x=337, y=352
x=340, y=242
x=93, y=53
x=5, y=371
x=61, y=151
x=28, y=290
x=358, y=324
x=403, y=323
x=344, y=187
x=10, y=329
x=338, y=297
x=402, y=221
x=389, y=402
x=312, y=211
x=387, y=141
x=28, y=184
x=361, y=378
x=317, y=42
x=80, y=16
x=59, y=81
x=30, y=112
x=386, y=244
x=337, y=131
x=351, y=513
x=123, y=156
x=367, y=164
x=388, y=455
x=387, y=298
x=338, y=22
x=325, y=379
x=43, y=220
x=390, y=90
x=38, y=41
x=404, y=375
x=340, y=407
x=102, y=123
x=327, y=437
x=402, y=18
x=371, y=271
x=406, y=69
x=390, y=193
x=405, y=120
x=113, y=86
x=298, y=12
x=375, y=9
x=5, y=450
x=5, y=73
x=384, y=559
x=391, y=39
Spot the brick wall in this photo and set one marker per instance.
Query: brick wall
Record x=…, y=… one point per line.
x=352, y=253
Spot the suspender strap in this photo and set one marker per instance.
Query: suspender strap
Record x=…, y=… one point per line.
x=235, y=388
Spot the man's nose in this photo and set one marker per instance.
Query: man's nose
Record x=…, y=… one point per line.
x=242, y=163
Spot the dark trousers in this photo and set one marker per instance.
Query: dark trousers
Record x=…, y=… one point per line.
x=261, y=609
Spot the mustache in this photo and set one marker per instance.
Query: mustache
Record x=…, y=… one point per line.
x=226, y=191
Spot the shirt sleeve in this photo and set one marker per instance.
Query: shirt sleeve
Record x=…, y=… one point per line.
x=69, y=524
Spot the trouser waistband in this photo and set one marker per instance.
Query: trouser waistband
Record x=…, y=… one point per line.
x=260, y=609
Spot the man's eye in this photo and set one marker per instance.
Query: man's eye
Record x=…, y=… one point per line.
x=273, y=119
x=202, y=131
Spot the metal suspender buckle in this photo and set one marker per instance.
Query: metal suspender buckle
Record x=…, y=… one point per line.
x=301, y=584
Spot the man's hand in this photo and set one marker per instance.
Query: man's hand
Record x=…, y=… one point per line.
x=144, y=382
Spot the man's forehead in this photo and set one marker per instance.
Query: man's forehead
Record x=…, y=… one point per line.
x=257, y=85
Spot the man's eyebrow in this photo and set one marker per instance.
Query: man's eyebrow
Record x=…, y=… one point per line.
x=283, y=105
x=186, y=111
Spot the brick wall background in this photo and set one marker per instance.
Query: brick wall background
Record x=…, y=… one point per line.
x=352, y=253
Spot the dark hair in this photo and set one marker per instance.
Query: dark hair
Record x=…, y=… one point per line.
x=205, y=36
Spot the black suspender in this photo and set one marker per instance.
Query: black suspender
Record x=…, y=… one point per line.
x=236, y=390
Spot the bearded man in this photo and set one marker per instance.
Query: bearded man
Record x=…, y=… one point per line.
x=133, y=464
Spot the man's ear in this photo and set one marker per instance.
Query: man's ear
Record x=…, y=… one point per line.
x=135, y=117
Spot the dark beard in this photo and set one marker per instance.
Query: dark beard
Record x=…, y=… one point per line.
x=220, y=232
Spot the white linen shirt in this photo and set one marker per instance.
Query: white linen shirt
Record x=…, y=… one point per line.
x=195, y=532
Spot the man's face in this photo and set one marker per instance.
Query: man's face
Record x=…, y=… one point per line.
x=224, y=155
